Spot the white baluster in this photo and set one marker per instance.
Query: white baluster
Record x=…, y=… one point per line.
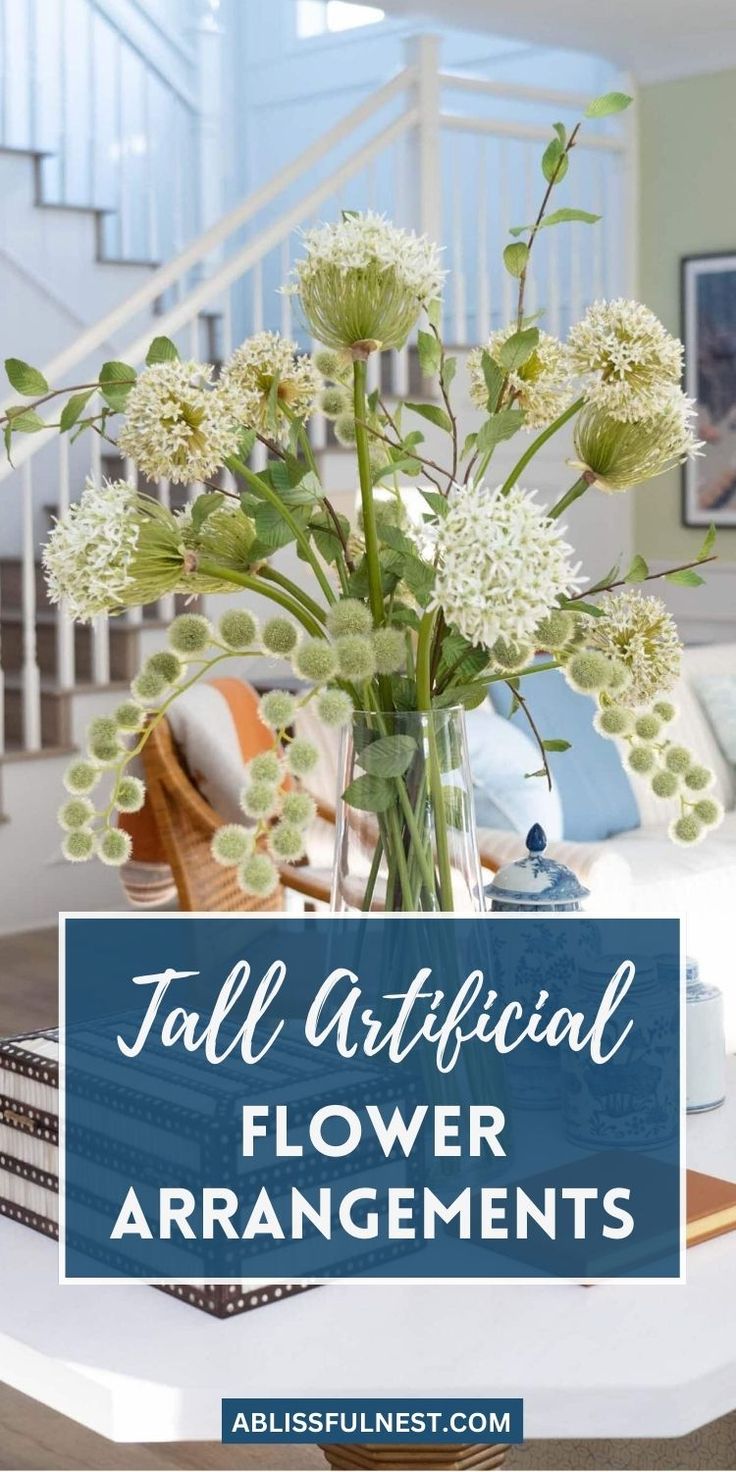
x=373, y=374
x=30, y=676
x=530, y=182
x=134, y=615
x=400, y=372
x=483, y=288
x=2, y=689
x=257, y=297
x=64, y=625
x=459, y=306
x=574, y=238
x=553, y=283
x=285, y=298
x=317, y=423
x=599, y=166
x=506, y=223
x=193, y=328
x=100, y=625
x=166, y=605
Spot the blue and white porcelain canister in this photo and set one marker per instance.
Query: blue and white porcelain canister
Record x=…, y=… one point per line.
x=705, y=1068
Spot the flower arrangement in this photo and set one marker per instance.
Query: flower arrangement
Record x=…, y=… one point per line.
x=405, y=617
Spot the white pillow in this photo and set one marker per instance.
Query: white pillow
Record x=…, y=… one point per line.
x=500, y=754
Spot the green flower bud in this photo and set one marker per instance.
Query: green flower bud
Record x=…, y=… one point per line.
x=648, y=726
x=299, y=809
x=78, y=846
x=102, y=740
x=334, y=401
x=265, y=767
x=76, y=813
x=390, y=650
x=665, y=710
x=588, y=671
x=81, y=776
x=348, y=616
x=277, y=709
x=556, y=630
x=149, y=686
x=334, y=707
x=356, y=659
x=614, y=720
x=129, y=717
x=258, y=875
x=166, y=664
x=686, y=829
x=511, y=656
x=678, y=759
x=302, y=757
x=114, y=846
x=709, y=811
x=231, y=845
x=345, y=430
x=130, y=795
x=619, y=676
x=698, y=778
x=642, y=759
x=331, y=364
x=665, y=784
x=279, y=635
x=190, y=633
x=259, y=800
x=238, y=628
x=286, y=842
x=315, y=659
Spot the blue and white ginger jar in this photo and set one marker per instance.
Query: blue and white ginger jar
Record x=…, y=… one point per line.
x=535, y=883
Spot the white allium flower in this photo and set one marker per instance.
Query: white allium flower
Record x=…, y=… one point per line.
x=112, y=549
x=363, y=280
x=177, y=426
x=640, y=632
x=541, y=387
x=503, y=564
x=628, y=359
x=264, y=379
x=624, y=455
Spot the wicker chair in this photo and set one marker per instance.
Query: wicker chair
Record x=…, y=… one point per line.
x=186, y=824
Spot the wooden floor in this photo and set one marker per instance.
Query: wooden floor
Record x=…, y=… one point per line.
x=35, y=1439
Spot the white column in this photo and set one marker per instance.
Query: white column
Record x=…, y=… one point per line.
x=64, y=625
x=209, y=41
x=30, y=676
x=424, y=171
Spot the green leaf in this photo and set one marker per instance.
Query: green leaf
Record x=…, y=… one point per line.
x=434, y=414
x=72, y=409
x=554, y=162
x=116, y=381
x=471, y=441
x=369, y=794
x=686, y=578
x=638, y=571
x=389, y=756
x=25, y=379
x=430, y=353
x=271, y=529
x=556, y=745
x=708, y=544
x=609, y=103
x=494, y=378
x=434, y=313
x=578, y=606
x=561, y=131
x=449, y=369
x=437, y=502
x=499, y=427
x=24, y=421
x=470, y=696
x=518, y=348
x=162, y=350
x=540, y=773
x=515, y=257
x=560, y=217
x=325, y=535
x=203, y=507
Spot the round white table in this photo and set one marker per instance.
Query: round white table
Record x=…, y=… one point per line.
x=137, y=1366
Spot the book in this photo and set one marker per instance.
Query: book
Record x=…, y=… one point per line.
x=711, y=1207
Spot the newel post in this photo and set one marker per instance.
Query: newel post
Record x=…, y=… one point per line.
x=423, y=54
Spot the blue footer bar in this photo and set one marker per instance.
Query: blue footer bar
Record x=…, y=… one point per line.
x=397, y=1422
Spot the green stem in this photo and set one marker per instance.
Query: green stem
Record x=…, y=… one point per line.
x=273, y=576
x=424, y=703
x=370, y=532
x=373, y=875
x=574, y=494
x=264, y=490
x=532, y=669
x=537, y=443
x=255, y=585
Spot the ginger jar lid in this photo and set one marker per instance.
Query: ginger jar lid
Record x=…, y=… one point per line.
x=536, y=881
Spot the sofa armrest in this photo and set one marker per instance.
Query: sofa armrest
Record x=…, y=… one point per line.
x=599, y=866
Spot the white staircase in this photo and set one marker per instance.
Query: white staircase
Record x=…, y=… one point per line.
x=454, y=155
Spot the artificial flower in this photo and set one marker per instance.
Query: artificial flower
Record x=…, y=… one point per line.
x=628, y=360
x=177, y=426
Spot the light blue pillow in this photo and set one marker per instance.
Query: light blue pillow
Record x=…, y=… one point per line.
x=500, y=754
x=597, y=797
x=718, y=694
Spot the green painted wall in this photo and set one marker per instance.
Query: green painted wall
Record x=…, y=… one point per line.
x=687, y=205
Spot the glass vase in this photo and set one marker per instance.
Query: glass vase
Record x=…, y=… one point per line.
x=406, y=838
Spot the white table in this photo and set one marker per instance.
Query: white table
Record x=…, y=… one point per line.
x=137, y=1366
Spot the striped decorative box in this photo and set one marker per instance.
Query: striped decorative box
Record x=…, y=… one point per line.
x=29, y=1145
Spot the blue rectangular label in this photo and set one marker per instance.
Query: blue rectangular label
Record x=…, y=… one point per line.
x=375, y=1422
x=272, y=1099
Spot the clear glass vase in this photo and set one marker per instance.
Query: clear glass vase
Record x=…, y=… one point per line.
x=406, y=838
